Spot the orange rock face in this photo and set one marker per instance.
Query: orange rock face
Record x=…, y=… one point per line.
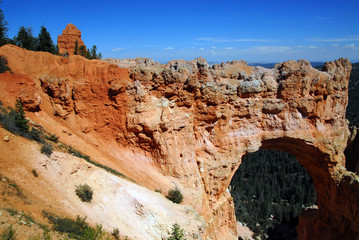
x=67, y=41
x=189, y=123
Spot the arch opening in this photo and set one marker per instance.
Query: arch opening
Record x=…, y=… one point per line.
x=274, y=185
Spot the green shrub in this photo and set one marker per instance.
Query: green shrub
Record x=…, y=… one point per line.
x=116, y=234
x=76, y=229
x=34, y=173
x=11, y=211
x=13, y=189
x=53, y=138
x=35, y=135
x=175, y=195
x=20, y=118
x=84, y=192
x=8, y=234
x=176, y=233
x=3, y=64
x=14, y=121
x=46, y=149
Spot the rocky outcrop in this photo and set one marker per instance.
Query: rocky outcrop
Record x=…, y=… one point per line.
x=67, y=41
x=131, y=63
x=193, y=123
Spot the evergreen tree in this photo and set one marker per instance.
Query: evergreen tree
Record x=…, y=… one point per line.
x=177, y=233
x=20, y=119
x=3, y=29
x=94, y=54
x=45, y=41
x=76, y=47
x=25, y=39
x=82, y=50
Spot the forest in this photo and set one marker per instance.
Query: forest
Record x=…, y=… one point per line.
x=270, y=189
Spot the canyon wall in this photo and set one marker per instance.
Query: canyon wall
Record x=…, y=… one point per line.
x=189, y=124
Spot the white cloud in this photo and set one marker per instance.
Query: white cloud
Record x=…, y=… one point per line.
x=342, y=39
x=214, y=39
x=213, y=47
x=117, y=49
x=228, y=48
x=201, y=48
x=351, y=45
x=169, y=48
x=335, y=45
x=310, y=47
x=271, y=49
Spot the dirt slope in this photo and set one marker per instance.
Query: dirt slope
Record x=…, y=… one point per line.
x=117, y=203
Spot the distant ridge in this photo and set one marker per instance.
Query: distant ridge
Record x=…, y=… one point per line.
x=270, y=65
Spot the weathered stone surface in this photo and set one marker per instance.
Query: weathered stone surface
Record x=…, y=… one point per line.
x=131, y=63
x=67, y=41
x=194, y=123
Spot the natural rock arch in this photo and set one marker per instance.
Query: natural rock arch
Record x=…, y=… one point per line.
x=194, y=123
x=199, y=127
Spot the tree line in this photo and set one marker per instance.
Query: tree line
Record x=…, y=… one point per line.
x=43, y=42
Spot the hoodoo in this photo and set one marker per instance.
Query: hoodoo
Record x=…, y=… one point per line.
x=67, y=41
x=188, y=124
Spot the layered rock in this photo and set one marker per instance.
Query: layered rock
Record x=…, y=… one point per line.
x=67, y=41
x=193, y=122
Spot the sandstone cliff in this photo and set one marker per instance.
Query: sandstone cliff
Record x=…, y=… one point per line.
x=187, y=124
x=67, y=41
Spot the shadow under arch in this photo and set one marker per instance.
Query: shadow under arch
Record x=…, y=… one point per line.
x=317, y=164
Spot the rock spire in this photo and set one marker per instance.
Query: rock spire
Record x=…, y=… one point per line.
x=67, y=41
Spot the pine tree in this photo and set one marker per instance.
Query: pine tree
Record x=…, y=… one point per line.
x=177, y=233
x=25, y=39
x=76, y=47
x=3, y=29
x=20, y=119
x=45, y=41
x=94, y=54
x=82, y=50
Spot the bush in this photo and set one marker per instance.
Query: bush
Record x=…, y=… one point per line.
x=84, y=192
x=34, y=173
x=8, y=234
x=47, y=149
x=15, y=122
x=53, y=138
x=116, y=234
x=175, y=195
x=76, y=229
x=177, y=233
x=3, y=65
x=35, y=135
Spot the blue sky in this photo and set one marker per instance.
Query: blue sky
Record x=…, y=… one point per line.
x=221, y=30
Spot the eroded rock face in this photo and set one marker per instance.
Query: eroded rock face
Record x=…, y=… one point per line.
x=67, y=41
x=195, y=122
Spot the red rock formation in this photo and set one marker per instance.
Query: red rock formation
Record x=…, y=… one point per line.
x=193, y=123
x=67, y=41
